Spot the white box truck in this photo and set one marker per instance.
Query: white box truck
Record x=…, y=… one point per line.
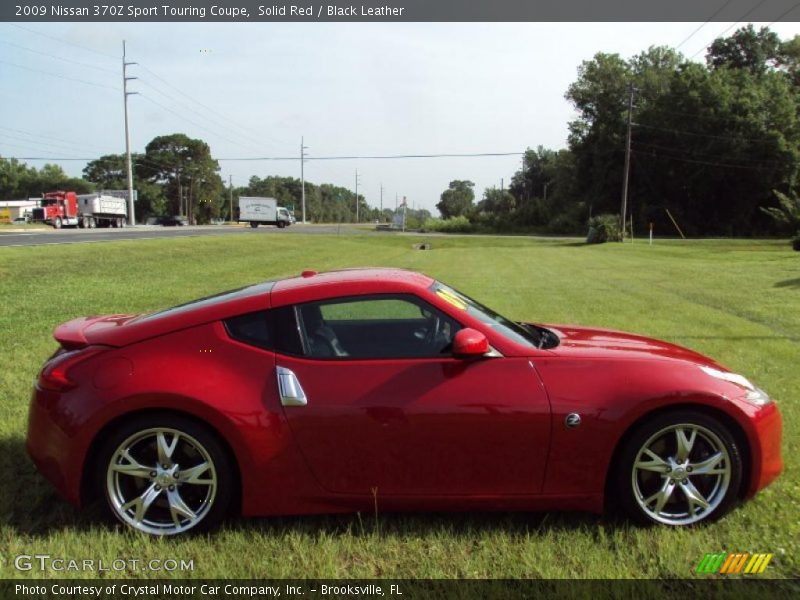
x=262, y=211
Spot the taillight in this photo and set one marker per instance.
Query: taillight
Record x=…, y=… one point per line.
x=55, y=373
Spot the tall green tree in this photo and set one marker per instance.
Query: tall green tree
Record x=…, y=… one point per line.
x=188, y=172
x=755, y=51
x=457, y=199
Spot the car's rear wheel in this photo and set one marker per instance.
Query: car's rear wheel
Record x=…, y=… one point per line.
x=166, y=475
x=679, y=468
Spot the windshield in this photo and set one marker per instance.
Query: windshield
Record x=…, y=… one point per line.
x=522, y=334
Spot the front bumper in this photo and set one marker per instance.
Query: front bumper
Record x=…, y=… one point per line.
x=765, y=445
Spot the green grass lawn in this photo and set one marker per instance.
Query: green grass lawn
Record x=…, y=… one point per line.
x=734, y=300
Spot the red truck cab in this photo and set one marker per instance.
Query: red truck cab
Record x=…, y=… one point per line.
x=59, y=209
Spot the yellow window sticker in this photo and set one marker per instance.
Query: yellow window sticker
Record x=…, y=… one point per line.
x=451, y=299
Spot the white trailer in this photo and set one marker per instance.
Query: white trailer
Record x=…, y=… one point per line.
x=262, y=211
x=101, y=210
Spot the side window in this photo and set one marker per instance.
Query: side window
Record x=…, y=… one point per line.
x=251, y=329
x=375, y=327
x=274, y=329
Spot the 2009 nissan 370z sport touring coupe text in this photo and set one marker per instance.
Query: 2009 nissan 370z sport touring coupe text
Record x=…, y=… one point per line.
x=331, y=392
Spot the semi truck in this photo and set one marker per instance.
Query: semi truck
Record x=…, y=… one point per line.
x=262, y=211
x=68, y=209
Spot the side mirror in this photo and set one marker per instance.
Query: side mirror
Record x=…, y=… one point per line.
x=469, y=342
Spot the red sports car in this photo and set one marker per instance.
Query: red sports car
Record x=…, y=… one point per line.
x=329, y=392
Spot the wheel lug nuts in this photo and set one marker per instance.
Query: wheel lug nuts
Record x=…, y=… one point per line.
x=158, y=487
x=683, y=482
x=688, y=469
x=152, y=473
x=165, y=466
x=172, y=488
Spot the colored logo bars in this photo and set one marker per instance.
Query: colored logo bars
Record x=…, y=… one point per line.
x=732, y=563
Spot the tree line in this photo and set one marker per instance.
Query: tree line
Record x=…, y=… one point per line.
x=177, y=175
x=712, y=144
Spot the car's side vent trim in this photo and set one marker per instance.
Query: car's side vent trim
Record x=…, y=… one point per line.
x=289, y=387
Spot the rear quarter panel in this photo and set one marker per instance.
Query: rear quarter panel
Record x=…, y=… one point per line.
x=228, y=385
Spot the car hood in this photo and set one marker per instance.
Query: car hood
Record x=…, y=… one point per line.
x=593, y=342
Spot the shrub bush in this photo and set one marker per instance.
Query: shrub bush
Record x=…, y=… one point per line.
x=796, y=242
x=455, y=225
x=604, y=228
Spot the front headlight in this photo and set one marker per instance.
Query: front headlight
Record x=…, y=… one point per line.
x=753, y=394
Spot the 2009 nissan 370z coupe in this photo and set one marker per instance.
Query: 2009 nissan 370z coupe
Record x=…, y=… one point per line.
x=329, y=392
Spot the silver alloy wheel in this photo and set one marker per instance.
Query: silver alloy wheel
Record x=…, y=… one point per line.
x=161, y=481
x=681, y=474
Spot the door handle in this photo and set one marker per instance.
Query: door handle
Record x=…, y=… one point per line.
x=289, y=387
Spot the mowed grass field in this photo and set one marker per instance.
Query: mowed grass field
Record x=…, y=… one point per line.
x=738, y=301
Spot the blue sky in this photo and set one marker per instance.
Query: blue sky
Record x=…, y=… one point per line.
x=252, y=89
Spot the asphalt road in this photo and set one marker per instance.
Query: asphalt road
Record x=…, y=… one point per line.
x=46, y=237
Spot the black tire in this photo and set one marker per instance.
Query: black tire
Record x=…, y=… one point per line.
x=195, y=445
x=57, y=223
x=253, y=224
x=281, y=224
x=678, y=480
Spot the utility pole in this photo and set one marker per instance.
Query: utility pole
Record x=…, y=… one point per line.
x=381, y=198
x=302, y=176
x=357, y=196
x=624, y=209
x=125, y=94
x=230, y=190
x=524, y=179
x=502, y=185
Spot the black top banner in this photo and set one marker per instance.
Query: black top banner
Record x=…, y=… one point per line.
x=767, y=11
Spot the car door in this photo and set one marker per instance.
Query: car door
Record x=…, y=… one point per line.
x=378, y=405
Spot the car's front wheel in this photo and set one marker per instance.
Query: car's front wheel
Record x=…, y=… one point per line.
x=166, y=475
x=679, y=468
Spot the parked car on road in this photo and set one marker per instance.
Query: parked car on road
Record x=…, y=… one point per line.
x=173, y=221
x=341, y=391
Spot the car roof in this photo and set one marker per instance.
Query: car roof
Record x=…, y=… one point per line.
x=312, y=285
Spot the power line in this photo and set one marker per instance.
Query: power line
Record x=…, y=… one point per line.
x=706, y=154
x=62, y=58
x=71, y=143
x=60, y=146
x=378, y=157
x=691, y=35
x=202, y=116
x=116, y=89
x=788, y=10
x=309, y=158
x=742, y=18
x=63, y=41
x=704, y=135
x=698, y=162
x=180, y=116
x=208, y=108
